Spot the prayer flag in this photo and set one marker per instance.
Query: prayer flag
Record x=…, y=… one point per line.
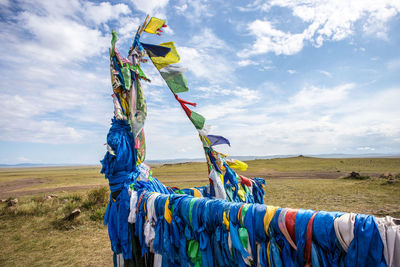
x=217, y=140
x=154, y=25
x=156, y=50
x=178, y=84
x=197, y=120
x=237, y=164
x=171, y=58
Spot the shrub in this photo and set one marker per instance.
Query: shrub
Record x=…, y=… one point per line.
x=96, y=197
x=98, y=214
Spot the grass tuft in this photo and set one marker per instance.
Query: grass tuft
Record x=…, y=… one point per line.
x=96, y=197
x=98, y=214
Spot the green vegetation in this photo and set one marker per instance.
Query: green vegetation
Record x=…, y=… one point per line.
x=35, y=233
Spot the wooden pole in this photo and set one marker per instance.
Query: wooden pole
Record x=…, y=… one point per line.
x=141, y=29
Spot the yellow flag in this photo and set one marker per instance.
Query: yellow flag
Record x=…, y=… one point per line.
x=171, y=58
x=153, y=25
x=167, y=212
x=237, y=164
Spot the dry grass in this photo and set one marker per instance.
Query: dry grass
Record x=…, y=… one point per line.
x=362, y=165
x=33, y=234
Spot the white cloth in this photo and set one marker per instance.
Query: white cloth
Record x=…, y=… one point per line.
x=157, y=260
x=133, y=201
x=144, y=172
x=218, y=186
x=148, y=228
x=344, y=229
x=390, y=235
x=117, y=109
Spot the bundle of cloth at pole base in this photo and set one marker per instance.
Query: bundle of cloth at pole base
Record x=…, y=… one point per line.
x=225, y=222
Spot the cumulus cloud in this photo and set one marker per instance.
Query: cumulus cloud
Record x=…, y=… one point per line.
x=195, y=11
x=324, y=20
x=318, y=120
x=246, y=62
x=206, y=57
x=239, y=92
x=311, y=96
x=150, y=6
x=55, y=88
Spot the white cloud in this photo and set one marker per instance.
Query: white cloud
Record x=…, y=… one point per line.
x=326, y=73
x=61, y=31
x=181, y=8
x=291, y=71
x=23, y=159
x=208, y=40
x=43, y=131
x=365, y=148
x=240, y=93
x=246, y=62
x=325, y=20
x=104, y=11
x=195, y=11
x=56, y=88
x=311, y=96
x=150, y=6
x=335, y=119
x=207, y=57
x=73, y=42
x=269, y=39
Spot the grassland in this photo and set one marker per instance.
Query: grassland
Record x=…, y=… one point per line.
x=34, y=233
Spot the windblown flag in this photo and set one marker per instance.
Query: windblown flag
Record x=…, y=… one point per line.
x=154, y=26
x=156, y=50
x=237, y=164
x=217, y=140
x=170, y=58
x=173, y=76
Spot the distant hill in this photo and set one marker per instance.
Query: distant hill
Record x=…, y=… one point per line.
x=244, y=158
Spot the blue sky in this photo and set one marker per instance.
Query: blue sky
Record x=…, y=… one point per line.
x=274, y=77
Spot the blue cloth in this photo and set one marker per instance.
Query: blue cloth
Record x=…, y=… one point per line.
x=156, y=50
x=120, y=170
x=137, y=43
x=178, y=238
x=302, y=219
x=200, y=233
x=230, y=176
x=118, y=68
x=238, y=250
x=218, y=140
x=122, y=142
x=324, y=238
x=287, y=254
x=249, y=224
x=366, y=249
x=258, y=191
